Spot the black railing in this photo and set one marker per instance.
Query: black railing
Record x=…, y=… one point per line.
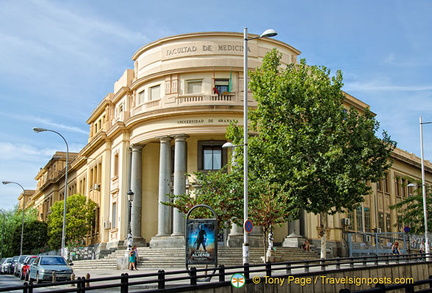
x=203, y=278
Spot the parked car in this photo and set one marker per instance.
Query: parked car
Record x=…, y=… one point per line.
x=6, y=266
x=19, y=264
x=44, y=266
x=13, y=264
x=26, y=267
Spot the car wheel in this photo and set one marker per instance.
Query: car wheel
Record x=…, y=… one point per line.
x=38, y=281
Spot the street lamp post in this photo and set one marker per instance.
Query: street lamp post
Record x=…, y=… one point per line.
x=130, y=195
x=22, y=219
x=268, y=33
x=427, y=248
x=63, y=240
x=3, y=234
x=423, y=186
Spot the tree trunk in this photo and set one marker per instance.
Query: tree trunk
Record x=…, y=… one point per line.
x=265, y=231
x=323, y=229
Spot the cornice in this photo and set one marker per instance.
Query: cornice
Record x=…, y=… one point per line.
x=162, y=41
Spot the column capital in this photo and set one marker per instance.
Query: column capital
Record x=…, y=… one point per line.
x=180, y=137
x=165, y=139
x=136, y=147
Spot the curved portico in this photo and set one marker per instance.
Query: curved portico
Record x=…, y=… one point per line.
x=172, y=109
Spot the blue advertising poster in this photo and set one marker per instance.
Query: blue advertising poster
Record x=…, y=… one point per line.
x=201, y=241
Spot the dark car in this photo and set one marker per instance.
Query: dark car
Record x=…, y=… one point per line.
x=13, y=264
x=44, y=267
x=26, y=267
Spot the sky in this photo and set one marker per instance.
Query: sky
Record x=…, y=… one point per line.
x=59, y=59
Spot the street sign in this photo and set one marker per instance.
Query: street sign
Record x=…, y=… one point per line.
x=248, y=226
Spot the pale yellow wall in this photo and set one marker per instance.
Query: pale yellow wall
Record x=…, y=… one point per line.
x=170, y=63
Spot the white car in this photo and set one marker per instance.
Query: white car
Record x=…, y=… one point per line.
x=6, y=266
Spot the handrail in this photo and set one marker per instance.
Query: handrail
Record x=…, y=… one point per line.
x=183, y=280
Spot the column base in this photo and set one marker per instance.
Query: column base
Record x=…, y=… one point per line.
x=139, y=241
x=237, y=240
x=167, y=242
x=293, y=240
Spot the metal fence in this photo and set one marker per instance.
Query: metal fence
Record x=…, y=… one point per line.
x=206, y=278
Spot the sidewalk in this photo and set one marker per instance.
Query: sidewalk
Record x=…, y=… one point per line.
x=104, y=273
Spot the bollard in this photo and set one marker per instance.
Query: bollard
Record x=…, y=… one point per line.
x=221, y=273
x=288, y=268
x=268, y=269
x=161, y=279
x=88, y=278
x=246, y=271
x=54, y=277
x=193, y=274
x=73, y=279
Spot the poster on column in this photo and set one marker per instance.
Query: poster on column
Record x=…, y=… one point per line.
x=201, y=243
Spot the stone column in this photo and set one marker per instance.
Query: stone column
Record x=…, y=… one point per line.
x=179, y=182
x=136, y=187
x=164, y=212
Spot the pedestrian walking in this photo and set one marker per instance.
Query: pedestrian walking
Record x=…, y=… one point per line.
x=132, y=260
x=135, y=250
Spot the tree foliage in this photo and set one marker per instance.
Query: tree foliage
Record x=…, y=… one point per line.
x=220, y=190
x=411, y=209
x=34, y=236
x=323, y=154
x=80, y=217
x=307, y=150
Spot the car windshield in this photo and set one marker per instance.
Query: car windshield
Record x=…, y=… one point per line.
x=53, y=261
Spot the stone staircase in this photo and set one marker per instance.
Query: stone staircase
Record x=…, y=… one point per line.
x=164, y=258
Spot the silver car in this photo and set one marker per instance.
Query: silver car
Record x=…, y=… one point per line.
x=6, y=266
x=44, y=268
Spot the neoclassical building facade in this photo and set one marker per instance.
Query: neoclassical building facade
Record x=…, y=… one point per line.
x=166, y=118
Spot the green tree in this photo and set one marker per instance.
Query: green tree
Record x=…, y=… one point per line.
x=219, y=190
x=411, y=209
x=11, y=227
x=322, y=154
x=80, y=217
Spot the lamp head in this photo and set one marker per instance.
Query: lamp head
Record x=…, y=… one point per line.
x=130, y=195
x=38, y=129
x=6, y=182
x=268, y=33
x=411, y=185
x=228, y=145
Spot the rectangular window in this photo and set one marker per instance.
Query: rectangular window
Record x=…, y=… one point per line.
x=379, y=185
x=194, y=87
x=359, y=218
x=367, y=220
x=114, y=216
x=116, y=165
x=211, y=155
x=154, y=93
x=221, y=86
x=141, y=97
x=388, y=228
x=212, y=159
x=386, y=183
x=397, y=187
x=381, y=221
x=351, y=218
